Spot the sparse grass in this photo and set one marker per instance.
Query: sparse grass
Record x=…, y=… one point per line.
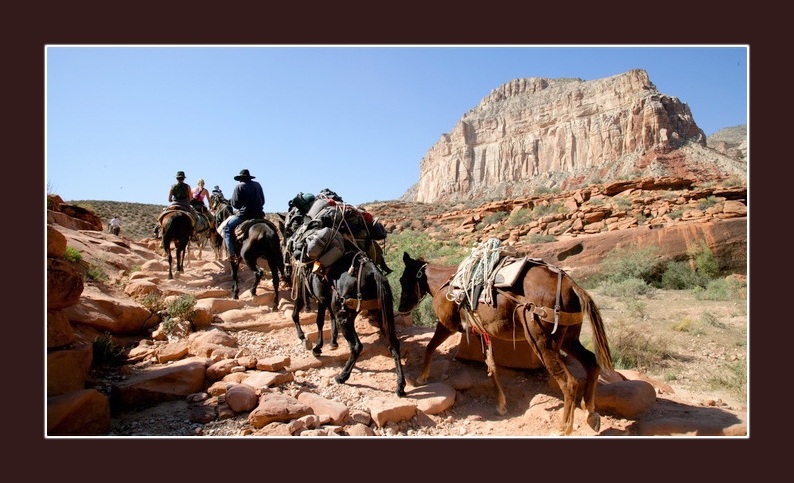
x=536, y=238
x=731, y=377
x=634, y=348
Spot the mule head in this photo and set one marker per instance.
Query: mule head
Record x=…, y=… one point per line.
x=413, y=284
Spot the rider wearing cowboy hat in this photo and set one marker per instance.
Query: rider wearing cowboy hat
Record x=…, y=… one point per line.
x=248, y=199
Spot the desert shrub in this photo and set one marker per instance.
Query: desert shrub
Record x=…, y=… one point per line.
x=679, y=275
x=168, y=325
x=709, y=319
x=494, y=217
x=707, y=202
x=706, y=262
x=95, y=272
x=622, y=203
x=72, y=255
x=105, y=351
x=153, y=301
x=689, y=326
x=634, y=348
x=541, y=210
x=636, y=308
x=519, y=217
x=634, y=262
x=182, y=307
x=731, y=376
x=541, y=238
x=628, y=287
x=731, y=182
x=676, y=214
x=720, y=289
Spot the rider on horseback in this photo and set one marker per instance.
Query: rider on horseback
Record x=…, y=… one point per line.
x=198, y=195
x=179, y=196
x=249, y=199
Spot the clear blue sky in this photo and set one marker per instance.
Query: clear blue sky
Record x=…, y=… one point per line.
x=122, y=120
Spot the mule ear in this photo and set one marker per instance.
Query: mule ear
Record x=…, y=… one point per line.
x=406, y=257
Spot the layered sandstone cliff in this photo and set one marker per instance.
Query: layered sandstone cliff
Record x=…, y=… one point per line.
x=559, y=133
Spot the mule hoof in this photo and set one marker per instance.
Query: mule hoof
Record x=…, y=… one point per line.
x=340, y=379
x=317, y=351
x=334, y=345
x=594, y=421
x=421, y=381
x=501, y=410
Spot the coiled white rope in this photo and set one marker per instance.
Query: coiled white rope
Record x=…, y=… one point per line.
x=474, y=270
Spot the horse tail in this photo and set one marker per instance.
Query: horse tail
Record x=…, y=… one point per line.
x=602, y=352
x=386, y=304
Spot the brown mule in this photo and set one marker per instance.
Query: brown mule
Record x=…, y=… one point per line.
x=526, y=310
x=177, y=228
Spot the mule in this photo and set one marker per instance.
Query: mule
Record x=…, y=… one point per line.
x=308, y=284
x=254, y=239
x=363, y=286
x=544, y=306
x=176, y=227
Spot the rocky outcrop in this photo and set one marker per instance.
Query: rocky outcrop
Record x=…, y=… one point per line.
x=536, y=132
x=576, y=230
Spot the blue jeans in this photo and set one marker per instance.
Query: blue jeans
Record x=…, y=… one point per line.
x=228, y=230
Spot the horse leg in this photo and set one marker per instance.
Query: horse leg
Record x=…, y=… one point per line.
x=299, y=304
x=568, y=383
x=333, y=344
x=170, y=264
x=321, y=310
x=235, y=264
x=349, y=332
x=180, y=258
x=439, y=336
x=275, y=280
x=501, y=400
x=390, y=334
x=588, y=361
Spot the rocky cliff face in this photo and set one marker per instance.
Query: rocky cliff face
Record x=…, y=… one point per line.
x=561, y=133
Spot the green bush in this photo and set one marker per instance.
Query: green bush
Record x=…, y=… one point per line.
x=182, y=307
x=626, y=263
x=720, y=289
x=105, y=351
x=494, y=217
x=706, y=262
x=679, y=276
x=72, y=255
x=519, y=217
x=628, y=287
x=153, y=301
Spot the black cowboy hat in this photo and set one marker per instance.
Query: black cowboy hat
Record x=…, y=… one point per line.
x=180, y=175
x=244, y=174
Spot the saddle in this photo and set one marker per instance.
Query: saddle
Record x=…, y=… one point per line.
x=241, y=230
x=172, y=209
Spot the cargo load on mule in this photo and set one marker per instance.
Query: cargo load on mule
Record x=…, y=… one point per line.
x=325, y=227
